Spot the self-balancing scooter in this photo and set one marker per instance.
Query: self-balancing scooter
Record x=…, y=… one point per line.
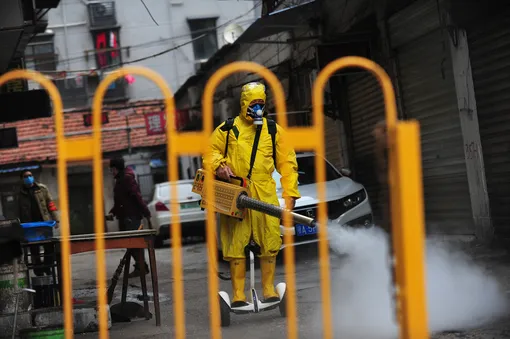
x=256, y=305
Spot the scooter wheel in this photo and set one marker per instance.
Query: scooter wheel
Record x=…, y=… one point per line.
x=224, y=313
x=283, y=306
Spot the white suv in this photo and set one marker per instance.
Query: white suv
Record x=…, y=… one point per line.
x=347, y=200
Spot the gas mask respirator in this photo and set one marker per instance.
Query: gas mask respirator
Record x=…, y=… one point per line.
x=256, y=112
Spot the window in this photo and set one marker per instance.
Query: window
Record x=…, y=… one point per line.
x=306, y=172
x=40, y=54
x=207, y=45
x=107, y=48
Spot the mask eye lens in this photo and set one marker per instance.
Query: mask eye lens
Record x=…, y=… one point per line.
x=254, y=108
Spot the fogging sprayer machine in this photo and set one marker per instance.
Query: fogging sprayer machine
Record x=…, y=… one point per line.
x=233, y=199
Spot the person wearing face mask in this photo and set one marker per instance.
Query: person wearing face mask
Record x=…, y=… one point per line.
x=36, y=204
x=252, y=147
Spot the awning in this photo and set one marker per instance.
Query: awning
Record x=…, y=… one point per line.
x=19, y=169
x=280, y=21
x=157, y=163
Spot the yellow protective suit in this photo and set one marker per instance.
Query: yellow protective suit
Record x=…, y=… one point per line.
x=263, y=229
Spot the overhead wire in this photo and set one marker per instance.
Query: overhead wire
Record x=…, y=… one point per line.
x=148, y=11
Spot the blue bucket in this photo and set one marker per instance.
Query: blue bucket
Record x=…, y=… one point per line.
x=38, y=231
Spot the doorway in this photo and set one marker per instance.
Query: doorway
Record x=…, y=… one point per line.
x=81, y=210
x=9, y=199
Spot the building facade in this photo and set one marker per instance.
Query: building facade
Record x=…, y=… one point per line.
x=85, y=40
x=284, y=43
x=449, y=68
x=122, y=135
x=82, y=43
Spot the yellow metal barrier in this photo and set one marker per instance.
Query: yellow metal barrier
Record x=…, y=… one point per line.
x=406, y=197
x=404, y=178
x=62, y=151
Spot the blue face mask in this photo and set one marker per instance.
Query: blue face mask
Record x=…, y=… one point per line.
x=28, y=180
x=256, y=112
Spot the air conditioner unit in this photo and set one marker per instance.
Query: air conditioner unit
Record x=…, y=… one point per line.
x=102, y=14
x=194, y=96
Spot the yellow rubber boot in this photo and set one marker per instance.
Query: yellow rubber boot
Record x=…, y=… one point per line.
x=238, y=274
x=268, y=267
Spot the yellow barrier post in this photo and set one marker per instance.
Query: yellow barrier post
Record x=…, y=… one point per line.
x=64, y=152
x=406, y=195
x=98, y=196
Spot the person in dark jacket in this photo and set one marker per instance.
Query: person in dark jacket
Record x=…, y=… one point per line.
x=36, y=204
x=129, y=207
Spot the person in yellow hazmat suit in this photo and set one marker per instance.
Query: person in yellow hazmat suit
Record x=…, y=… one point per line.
x=251, y=146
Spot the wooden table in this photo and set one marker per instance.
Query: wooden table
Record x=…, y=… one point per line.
x=142, y=239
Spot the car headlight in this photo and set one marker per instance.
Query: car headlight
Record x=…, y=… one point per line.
x=338, y=207
x=354, y=200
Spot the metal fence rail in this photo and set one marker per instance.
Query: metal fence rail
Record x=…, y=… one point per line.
x=405, y=184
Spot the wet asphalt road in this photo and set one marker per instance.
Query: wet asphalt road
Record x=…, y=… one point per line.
x=266, y=325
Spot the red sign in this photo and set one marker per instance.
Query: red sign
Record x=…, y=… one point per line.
x=87, y=119
x=155, y=123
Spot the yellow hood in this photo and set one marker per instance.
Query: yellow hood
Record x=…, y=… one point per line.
x=250, y=92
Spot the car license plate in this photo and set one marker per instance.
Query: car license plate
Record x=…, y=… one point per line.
x=302, y=230
x=187, y=205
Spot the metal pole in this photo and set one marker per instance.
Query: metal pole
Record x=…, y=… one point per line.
x=66, y=46
x=174, y=52
x=15, y=316
x=15, y=287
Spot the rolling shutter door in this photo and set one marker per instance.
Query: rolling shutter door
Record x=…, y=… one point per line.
x=428, y=93
x=366, y=108
x=489, y=48
x=333, y=140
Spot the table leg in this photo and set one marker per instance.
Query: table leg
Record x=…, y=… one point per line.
x=143, y=282
x=54, y=287
x=59, y=279
x=154, y=279
x=125, y=280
